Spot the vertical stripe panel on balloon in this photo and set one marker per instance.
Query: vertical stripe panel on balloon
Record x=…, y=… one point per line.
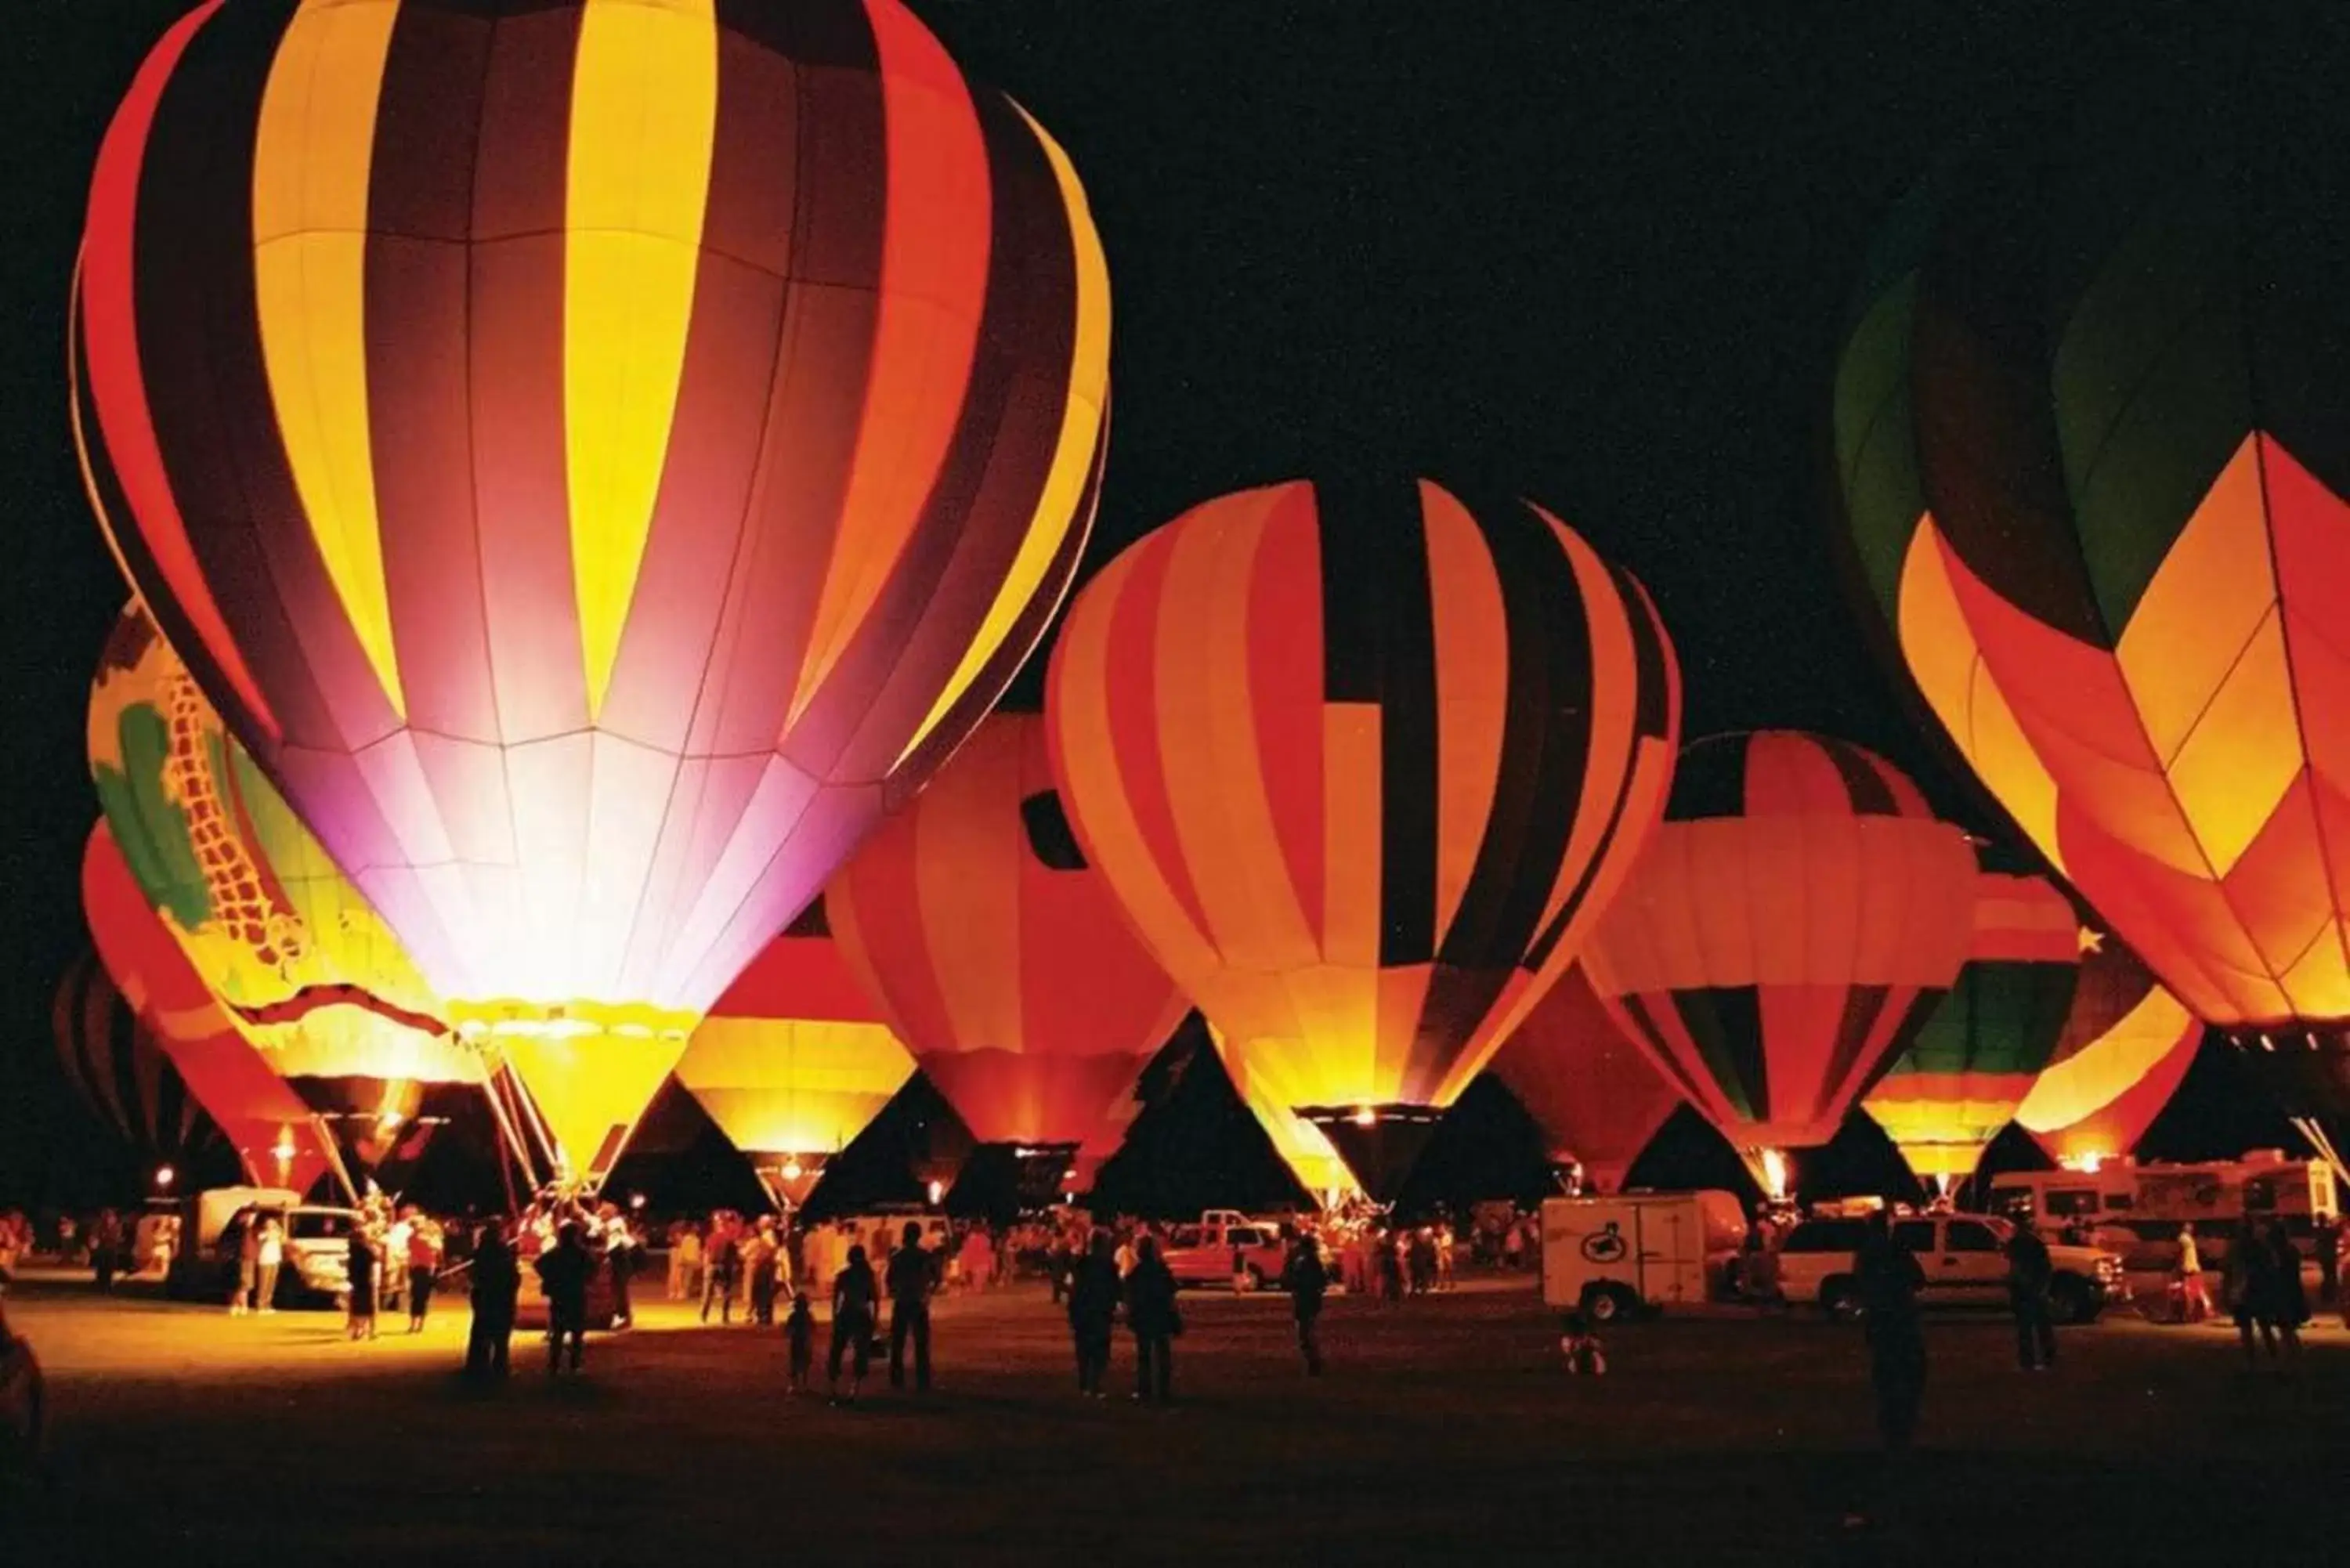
x=1378, y=649
x=1060, y=505
x=1474, y=675
x=698, y=535
x=194, y=264
x=516, y=380
x=968, y=863
x=1138, y=721
x=1204, y=722
x=311, y=169
x=1101, y=780
x=1546, y=745
x=797, y=518
x=123, y=437
x=933, y=278
x=1726, y=1024
x=643, y=118
x=1284, y=632
x=420, y=222
x=980, y=515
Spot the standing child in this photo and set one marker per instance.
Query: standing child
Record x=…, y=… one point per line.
x=1586, y=1356
x=799, y=1331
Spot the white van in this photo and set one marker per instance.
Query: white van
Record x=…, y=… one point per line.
x=1624, y=1253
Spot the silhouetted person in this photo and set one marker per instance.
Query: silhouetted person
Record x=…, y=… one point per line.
x=1150, y=1314
x=1093, y=1310
x=2250, y=1287
x=2290, y=1297
x=799, y=1335
x=721, y=1274
x=562, y=1273
x=497, y=1280
x=2029, y=1273
x=853, y=1306
x=1307, y=1281
x=911, y=1280
x=1889, y=1279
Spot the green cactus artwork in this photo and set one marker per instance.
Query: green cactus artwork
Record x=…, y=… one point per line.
x=151, y=828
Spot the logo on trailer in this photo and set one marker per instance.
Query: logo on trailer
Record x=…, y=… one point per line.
x=1604, y=1246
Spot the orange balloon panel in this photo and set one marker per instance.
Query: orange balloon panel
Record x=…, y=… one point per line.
x=1361, y=760
x=998, y=953
x=2127, y=1045
x=274, y=1133
x=793, y=1060
x=1586, y=1083
x=1786, y=931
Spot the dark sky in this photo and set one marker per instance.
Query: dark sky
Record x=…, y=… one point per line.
x=1595, y=253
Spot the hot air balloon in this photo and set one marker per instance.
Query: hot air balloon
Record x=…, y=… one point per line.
x=1785, y=935
x=1975, y=1058
x=794, y=1061
x=2126, y=1045
x=1587, y=1086
x=277, y=1138
x=598, y=455
x=2090, y=437
x=998, y=953
x=120, y=1070
x=1361, y=760
x=276, y=932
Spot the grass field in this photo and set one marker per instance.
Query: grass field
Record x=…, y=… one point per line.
x=1445, y=1431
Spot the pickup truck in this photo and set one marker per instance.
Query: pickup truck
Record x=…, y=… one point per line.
x=1202, y=1254
x=1963, y=1257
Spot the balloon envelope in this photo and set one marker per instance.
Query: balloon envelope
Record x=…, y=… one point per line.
x=794, y=1061
x=1976, y=1057
x=1361, y=761
x=599, y=455
x=275, y=1135
x=277, y=933
x=1785, y=933
x=2089, y=426
x=2126, y=1045
x=1588, y=1085
x=974, y=920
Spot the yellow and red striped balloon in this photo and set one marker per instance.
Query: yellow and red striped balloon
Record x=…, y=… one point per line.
x=1362, y=760
x=2126, y=1045
x=998, y=953
x=598, y=454
x=795, y=1060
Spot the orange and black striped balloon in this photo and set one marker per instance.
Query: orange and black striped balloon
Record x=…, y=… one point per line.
x=597, y=455
x=1362, y=759
x=1786, y=932
x=998, y=953
x=119, y=1069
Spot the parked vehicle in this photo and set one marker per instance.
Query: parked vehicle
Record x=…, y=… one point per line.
x=1202, y=1254
x=2137, y=1210
x=1962, y=1256
x=1614, y=1255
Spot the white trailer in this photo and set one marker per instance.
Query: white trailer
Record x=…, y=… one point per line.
x=1644, y=1251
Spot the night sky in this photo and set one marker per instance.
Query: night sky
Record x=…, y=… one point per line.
x=1596, y=254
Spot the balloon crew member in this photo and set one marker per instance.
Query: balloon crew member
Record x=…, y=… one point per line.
x=563, y=1272
x=1307, y=1281
x=2029, y=1273
x=853, y=1306
x=498, y=1281
x=913, y=1277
